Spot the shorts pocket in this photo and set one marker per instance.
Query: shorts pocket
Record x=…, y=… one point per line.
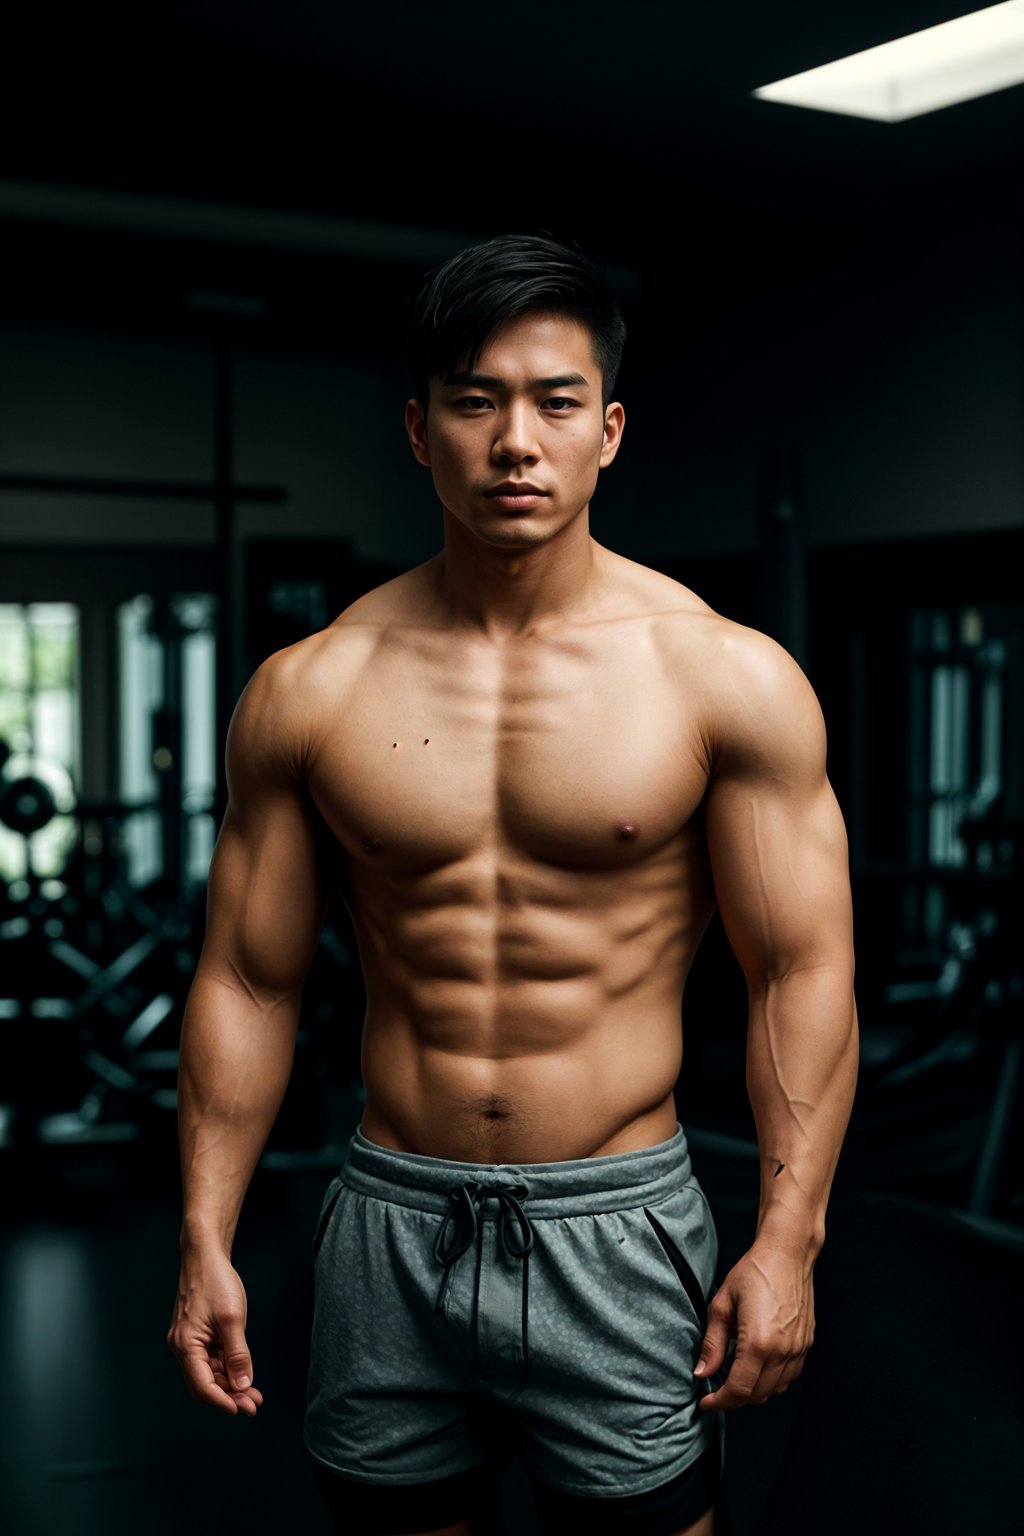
x=683, y=1268
x=327, y=1209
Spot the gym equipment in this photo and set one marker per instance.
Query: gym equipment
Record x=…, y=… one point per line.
x=965, y=1020
x=95, y=977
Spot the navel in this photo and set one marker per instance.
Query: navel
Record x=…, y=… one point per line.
x=493, y=1106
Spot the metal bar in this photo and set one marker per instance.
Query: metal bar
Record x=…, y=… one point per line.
x=74, y=959
x=109, y=1071
x=152, y=490
x=985, y=1183
x=119, y=970
x=151, y=1016
x=229, y=628
x=226, y=223
x=169, y=734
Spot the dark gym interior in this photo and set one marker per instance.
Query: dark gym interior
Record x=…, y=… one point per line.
x=213, y=219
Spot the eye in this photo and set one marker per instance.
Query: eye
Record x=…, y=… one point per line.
x=474, y=402
x=561, y=404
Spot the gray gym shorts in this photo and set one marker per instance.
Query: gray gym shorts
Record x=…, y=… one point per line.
x=571, y=1294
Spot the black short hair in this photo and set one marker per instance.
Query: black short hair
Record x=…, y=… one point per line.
x=462, y=302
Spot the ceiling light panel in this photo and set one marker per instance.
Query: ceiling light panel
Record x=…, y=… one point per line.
x=971, y=56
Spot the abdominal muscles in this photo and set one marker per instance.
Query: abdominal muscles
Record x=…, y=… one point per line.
x=523, y=1013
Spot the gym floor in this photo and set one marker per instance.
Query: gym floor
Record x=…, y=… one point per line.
x=908, y=1418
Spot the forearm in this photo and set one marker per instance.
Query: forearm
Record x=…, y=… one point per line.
x=801, y=1075
x=236, y=1058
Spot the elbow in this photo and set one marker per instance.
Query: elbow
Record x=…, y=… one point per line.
x=251, y=985
x=776, y=971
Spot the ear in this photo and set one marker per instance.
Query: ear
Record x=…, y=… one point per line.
x=416, y=426
x=614, y=422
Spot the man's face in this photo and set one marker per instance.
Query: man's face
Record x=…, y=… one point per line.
x=515, y=446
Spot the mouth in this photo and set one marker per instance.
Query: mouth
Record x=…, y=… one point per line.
x=515, y=495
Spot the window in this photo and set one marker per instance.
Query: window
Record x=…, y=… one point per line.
x=41, y=732
x=167, y=735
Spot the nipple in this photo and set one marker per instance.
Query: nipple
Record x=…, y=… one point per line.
x=628, y=832
x=370, y=843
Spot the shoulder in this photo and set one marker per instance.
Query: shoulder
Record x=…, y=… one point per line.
x=753, y=702
x=695, y=638
x=760, y=711
x=332, y=659
x=750, y=667
x=292, y=693
x=295, y=679
x=732, y=673
x=269, y=727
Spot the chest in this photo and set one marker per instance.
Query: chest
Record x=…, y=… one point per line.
x=571, y=757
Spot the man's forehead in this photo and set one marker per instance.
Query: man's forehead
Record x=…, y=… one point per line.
x=540, y=345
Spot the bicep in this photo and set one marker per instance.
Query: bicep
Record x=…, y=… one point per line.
x=266, y=899
x=779, y=860
x=270, y=877
x=777, y=843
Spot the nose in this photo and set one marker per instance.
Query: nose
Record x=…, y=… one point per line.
x=515, y=441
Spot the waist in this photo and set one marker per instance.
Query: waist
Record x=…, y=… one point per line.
x=578, y=1186
x=608, y=1092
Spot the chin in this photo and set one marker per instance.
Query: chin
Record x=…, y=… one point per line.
x=515, y=535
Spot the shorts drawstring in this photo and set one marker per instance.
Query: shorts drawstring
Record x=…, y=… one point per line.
x=458, y=1232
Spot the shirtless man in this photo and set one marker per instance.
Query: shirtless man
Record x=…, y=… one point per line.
x=535, y=766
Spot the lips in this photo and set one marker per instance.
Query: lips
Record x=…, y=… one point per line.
x=516, y=495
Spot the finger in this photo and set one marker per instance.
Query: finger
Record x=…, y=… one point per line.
x=245, y=1401
x=792, y=1370
x=200, y=1380
x=220, y=1376
x=772, y=1379
x=769, y=1382
x=739, y=1389
x=234, y=1352
x=251, y=1398
x=248, y=1399
x=220, y=1395
x=715, y=1342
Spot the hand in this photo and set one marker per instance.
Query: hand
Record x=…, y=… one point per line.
x=765, y=1303
x=207, y=1334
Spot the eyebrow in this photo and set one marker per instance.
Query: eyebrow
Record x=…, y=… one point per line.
x=488, y=381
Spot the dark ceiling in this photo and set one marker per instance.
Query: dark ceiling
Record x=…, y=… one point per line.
x=630, y=127
x=461, y=115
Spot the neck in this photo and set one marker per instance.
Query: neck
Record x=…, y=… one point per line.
x=505, y=592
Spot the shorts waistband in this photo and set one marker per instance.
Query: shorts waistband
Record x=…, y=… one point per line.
x=579, y=1187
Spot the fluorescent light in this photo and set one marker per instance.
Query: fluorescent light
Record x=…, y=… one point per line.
x=956, y=61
